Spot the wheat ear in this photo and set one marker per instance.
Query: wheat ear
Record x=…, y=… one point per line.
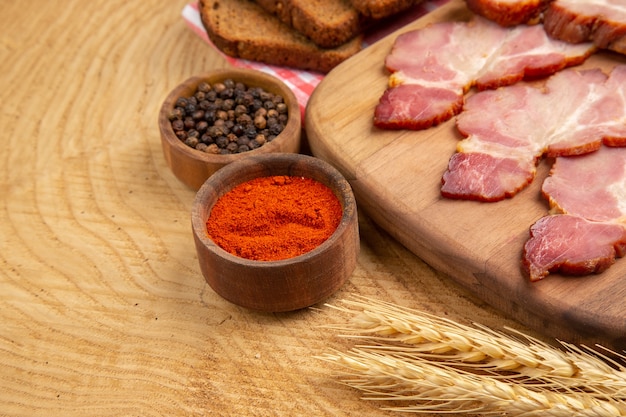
x=520, y=359
x=421, y=386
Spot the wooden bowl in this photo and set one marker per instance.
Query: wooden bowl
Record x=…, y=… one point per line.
x=283, y=285
x=192, y=166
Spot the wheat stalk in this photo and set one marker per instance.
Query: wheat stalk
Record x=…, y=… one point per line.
x=421, y=386
x=522, y=359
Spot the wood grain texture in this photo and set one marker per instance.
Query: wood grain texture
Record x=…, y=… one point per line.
x=103, y=307
x=396, y=176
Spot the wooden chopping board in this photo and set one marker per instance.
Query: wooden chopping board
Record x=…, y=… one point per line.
x=396, y=178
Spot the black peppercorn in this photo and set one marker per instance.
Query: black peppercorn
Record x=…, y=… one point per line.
x=256, y=104
x=232, y=147
x=271, y=121
x=199, y=96
x=247, y=99
x=178, y=124
x=260, y=122
x=192, y=141
x=276, y=129
x=221, y=114
x=264, y=95
x=206, y=138
x=204, y=87
x=205, y=105
x=189, y=123
x=228, y=117
x=219, y=87
x=202, y=126
x=209, y=116
x=244, y=120
x=281, y=108
x=237, y=130
x=227, y=93
x=221, y=141
x=215, y=131
x=198, y=115
x=176, y=113
x=250, y=132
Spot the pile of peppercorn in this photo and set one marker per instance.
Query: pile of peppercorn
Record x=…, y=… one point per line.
x=228, y=117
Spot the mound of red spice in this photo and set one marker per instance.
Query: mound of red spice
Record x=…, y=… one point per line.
x=273, y=218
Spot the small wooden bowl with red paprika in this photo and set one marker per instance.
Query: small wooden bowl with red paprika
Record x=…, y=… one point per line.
x=287, y=284
x=192, y=166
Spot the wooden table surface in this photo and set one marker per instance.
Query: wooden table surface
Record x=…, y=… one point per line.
x=103, y=309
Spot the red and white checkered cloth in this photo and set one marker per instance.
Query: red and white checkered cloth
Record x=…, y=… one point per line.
x=302, y=83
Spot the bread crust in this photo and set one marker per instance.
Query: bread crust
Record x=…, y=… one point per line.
x=242, y=29
x=328, y=23
x=379, y=9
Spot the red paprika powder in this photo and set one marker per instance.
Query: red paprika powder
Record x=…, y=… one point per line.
x=273, y=218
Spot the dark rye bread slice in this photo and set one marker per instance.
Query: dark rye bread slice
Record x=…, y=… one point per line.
x=378, y=9
x=242, y=29
x=328, y=23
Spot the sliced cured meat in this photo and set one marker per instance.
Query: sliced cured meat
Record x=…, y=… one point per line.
x=573, y=113
x=412, y=106
x=589, y=194
x=483, y=177
x=592, y=186
x=432, y=68
x=509, y=12
x=571, y=245
x=602, y=22
x=434, y=64
x=527, y=52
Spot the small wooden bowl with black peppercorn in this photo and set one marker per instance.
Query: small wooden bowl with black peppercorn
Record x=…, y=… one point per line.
x=290, y=283
x=214, y=119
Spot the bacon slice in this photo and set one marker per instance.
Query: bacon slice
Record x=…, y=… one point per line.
x=589, y=193
x=509, y=12
x=432, y=68
x=573, y=113
x=602, y=22
x=483, y=177
x=412, y=106
x=571, y=245
x=592, y=186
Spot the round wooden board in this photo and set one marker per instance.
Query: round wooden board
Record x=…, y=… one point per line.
x=396, y=177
